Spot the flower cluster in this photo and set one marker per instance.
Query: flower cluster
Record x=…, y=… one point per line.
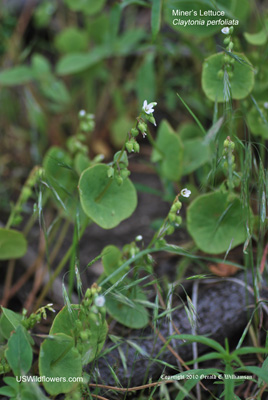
x=227, y=154
x=141, y=126
x=173, y=215
x=87, y=123
x=119, y=168
x=227, y=60
x=91, y=315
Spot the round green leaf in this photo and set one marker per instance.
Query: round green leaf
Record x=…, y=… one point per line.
x=12, y=244
x=106, y=203
x=257, y=124
x=169, y=152
x=216, y=223
x=241, y=83
x=59, y=358
x=125, y=308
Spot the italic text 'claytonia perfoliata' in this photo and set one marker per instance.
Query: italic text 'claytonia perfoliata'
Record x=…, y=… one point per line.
x=225, y=30
x=185, y=192
x=148, y=108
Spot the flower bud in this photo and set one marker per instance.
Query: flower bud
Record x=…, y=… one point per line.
x=129, y=146
x=110, y=172
x=170, y=230
x=119, y=180
x=226, y=143
x=178, y=220
x=226, y=58
x=220, y=74
x=171, y=217
x=83, y=336
x=125, y=173
x=136, y=147
x=176, y=206
x=142, y=127
x=134, y=132
x=151, y=119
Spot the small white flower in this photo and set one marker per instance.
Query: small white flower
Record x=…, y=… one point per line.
x=225, y=30
x=100, y=301
x=148, y=108
x=82, y=113
x=138, y=238
x=266, y=105
x=185, y=192
x=50, y=308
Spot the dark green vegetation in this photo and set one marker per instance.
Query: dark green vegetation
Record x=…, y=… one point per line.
x=90, y=92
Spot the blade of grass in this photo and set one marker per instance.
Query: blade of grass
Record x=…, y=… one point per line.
x=193, y=115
